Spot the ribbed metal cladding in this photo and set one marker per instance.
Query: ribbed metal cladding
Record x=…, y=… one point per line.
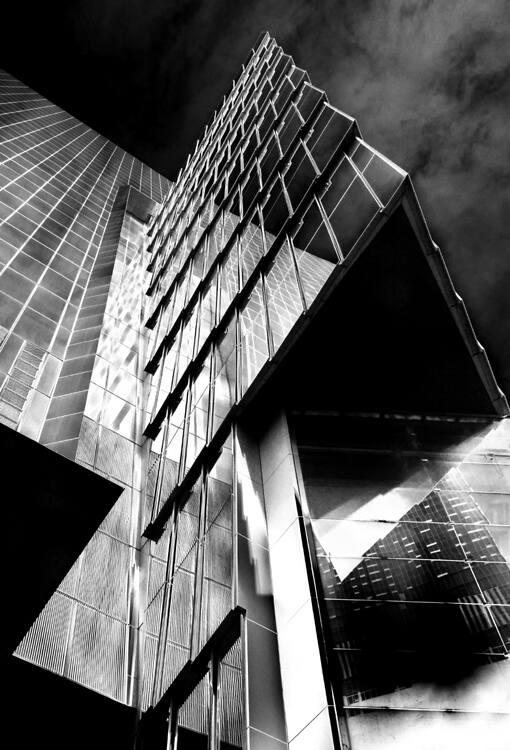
x=152, y=616
x=87, y=442
x=118, y=522
x=160, y=550
x=97, y=654
x=104, y=575
x=187, y=534
x=46, y=641
x=216, y=604
x=230, y=704
x=150, y=647
x=181, y=607
x=70, y=582
x=176, y=657
x=115, y=455
x=194, y=712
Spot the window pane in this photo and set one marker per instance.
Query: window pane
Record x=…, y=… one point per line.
x=275, y=212
x=283, y=297
x=299, y=176
x=254, y=352
x=251, y=247
x=352, y=214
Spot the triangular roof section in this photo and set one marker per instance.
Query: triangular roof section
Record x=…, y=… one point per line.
x=388, y=329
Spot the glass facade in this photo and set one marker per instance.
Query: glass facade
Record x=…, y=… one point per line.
x=73, y=210
x=297, y=586
x=276, y=195
x=412, y=550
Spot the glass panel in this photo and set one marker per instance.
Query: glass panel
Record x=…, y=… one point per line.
x=179, y=294
x=352, y=214
x=289, y=129
x=299, y=176
x=254, y=351
x=197, y=270
x=327, y=134
x=308, y=100
x=275, y=212
x=342, y=177
x=207, y=312
x=251, y=247
x=225, y=381
x=285, y=90
x=382, y=177
x=218, y=545
x=250, y=188
x=215, y=243
x=231, y=220
x=425, y=729
x=283, y=297
x=270, y=158
x=315, y=253
x=229, y=279
x=416, y=588
x=199, y=409
x=219, y=484
x=187, y=345
x=175, y=431
x=167, y=369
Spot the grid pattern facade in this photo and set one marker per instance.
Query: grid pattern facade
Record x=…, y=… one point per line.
x=73, y=211
x=58, y=182
x=132, y=345
x=413, y=549
x=277, y=193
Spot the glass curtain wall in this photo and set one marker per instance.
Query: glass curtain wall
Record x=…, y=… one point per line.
x=410, y=529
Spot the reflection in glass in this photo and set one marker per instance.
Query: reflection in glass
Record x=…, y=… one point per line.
x=283, y=296
x=229, y=279
x=251, y=247
x=218, y=545
x=352, y=214
x=199, y=410
x=315, y=252
x=416, y=589
x=254, y=351
x=225, y=380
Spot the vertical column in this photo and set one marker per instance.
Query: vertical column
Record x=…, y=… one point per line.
x=265, y=725
x=307, y=710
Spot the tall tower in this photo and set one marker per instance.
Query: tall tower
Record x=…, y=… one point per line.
x=311, y=544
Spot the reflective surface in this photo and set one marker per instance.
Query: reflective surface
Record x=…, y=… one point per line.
x=274, y=198
x=73, y=208
x=413, y=565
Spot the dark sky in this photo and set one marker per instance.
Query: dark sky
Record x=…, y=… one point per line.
x=428, y=81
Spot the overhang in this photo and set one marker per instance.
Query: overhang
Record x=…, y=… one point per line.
x=51, y=508
x=388, y=332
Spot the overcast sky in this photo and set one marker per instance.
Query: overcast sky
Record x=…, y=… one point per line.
x=427, y=80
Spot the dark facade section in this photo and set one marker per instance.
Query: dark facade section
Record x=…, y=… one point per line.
x=54, y=528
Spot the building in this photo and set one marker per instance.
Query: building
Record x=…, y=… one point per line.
x=268, y=361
